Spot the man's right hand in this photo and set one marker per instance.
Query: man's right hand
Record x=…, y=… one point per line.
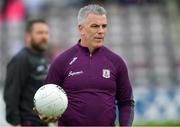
x=47, y=119
x=18, y=125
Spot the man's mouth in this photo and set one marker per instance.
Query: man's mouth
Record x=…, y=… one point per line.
x=99, y=38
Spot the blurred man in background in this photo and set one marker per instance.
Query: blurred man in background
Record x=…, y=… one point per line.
x=25, y=74
x=92, y=76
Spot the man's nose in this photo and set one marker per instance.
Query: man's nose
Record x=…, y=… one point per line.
x=45, y=35
x=101, y=30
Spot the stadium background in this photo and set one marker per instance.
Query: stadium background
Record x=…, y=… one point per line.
x=146, y=33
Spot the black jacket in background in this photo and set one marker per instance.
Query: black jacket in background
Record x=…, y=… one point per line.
x=25, y=74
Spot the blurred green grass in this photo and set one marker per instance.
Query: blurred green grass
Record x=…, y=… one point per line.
x=155, y=124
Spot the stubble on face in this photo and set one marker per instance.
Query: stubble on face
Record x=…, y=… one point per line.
x=40, y=46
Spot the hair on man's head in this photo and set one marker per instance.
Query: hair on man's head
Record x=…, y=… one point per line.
x=92, y=8
x=30, y=24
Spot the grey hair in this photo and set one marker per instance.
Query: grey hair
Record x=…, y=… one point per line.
x=92, y=8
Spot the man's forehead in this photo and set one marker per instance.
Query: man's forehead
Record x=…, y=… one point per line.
x=97, y=19
x=39, y=26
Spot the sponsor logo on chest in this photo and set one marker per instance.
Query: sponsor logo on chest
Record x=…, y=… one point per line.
x=71, y=73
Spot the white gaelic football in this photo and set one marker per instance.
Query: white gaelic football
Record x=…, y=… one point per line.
x=50, y=100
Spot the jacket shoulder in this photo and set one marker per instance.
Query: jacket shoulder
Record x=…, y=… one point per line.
x=63, y=58
x=19, y=57
x=112, y=56
x=115, y=59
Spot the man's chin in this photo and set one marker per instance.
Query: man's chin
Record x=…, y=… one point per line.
x=40, y=49
x=99, y=45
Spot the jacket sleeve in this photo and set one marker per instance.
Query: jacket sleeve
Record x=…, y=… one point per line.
x=124, y=97
x=15, y=78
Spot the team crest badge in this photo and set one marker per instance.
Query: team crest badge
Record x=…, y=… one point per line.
x=106, y=73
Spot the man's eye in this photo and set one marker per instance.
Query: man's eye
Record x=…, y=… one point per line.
x=95, y=26
x=104, y=26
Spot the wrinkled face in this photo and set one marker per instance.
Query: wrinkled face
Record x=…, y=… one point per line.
x=39, y=37
x=94, y=30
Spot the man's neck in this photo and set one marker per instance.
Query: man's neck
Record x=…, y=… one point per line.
x=34, y=51
x=83, y=44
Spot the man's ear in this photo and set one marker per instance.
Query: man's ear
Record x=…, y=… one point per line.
x=81, y=29
x=27, y=38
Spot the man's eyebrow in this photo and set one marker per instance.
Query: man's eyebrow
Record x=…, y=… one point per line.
x=94, y=25
x=104, y=25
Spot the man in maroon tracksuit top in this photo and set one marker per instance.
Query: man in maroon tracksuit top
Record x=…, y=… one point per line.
x=92, y=76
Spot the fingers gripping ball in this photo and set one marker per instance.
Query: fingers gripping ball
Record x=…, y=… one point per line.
x=50, y=100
